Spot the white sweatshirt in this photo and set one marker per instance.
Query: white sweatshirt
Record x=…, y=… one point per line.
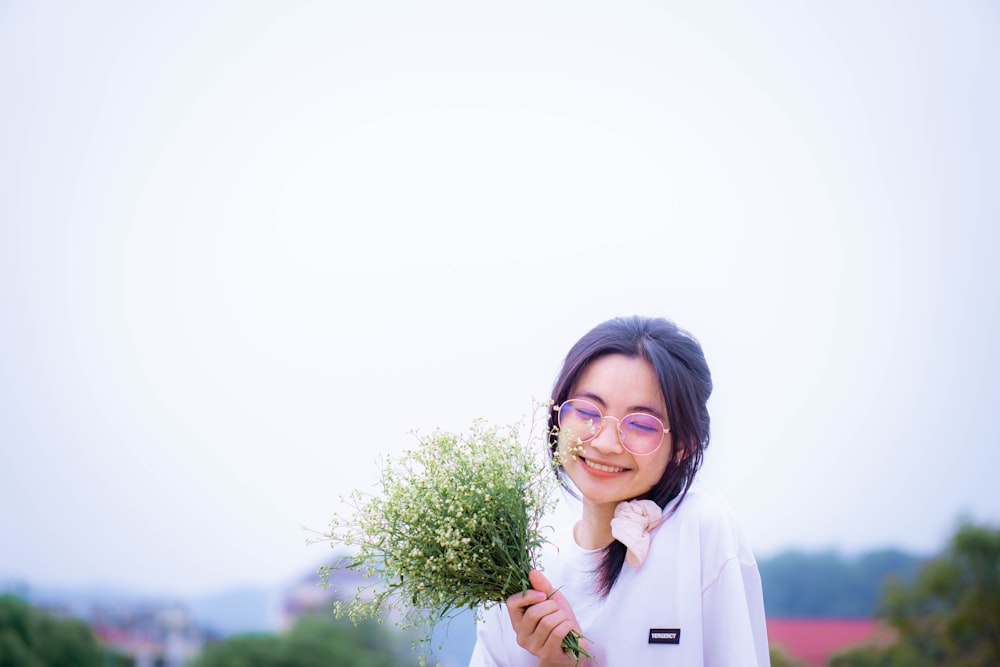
x=697, y=600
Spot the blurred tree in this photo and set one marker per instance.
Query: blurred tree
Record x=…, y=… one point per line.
x=781, y=658
x=896, y=655
x=314, y=641
x=950, y=614
x=30, y=637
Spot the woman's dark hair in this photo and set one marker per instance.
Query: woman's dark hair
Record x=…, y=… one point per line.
x=686, y=383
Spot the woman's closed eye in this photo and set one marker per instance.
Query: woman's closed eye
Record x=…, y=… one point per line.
x=640, y=424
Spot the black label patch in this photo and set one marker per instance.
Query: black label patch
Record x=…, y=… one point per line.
x=664, y=635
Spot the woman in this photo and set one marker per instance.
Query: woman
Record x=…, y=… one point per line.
x=650, y=574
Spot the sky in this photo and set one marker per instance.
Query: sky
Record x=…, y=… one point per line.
x=246, y=247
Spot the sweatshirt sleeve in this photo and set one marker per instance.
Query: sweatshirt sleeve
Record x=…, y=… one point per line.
x=496, y=645
x=481, y=656
x=735, y=631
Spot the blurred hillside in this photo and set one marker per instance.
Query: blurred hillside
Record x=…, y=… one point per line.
x=828, y=584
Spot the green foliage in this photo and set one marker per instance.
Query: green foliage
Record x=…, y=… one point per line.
x=949, y=615
x=314, y=641
x=896, y=655
x=781, y=658
x=30, y=637
x=952, y=612
x=828, y=584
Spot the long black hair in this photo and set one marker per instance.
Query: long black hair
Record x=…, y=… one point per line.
x=686, y=383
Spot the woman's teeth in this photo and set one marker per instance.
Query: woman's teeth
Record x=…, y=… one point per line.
x=598, y=466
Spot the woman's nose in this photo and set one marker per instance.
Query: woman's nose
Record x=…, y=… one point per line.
x=606, y=439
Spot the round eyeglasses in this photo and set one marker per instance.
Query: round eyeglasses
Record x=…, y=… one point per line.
x=639, y=433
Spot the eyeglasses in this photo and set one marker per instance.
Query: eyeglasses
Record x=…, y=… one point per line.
x=639, y=433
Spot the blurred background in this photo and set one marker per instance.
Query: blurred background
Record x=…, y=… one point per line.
x=245, y=247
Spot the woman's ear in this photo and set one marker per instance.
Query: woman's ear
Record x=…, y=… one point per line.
x=680, y=454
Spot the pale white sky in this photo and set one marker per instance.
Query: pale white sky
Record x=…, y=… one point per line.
x=245, y=246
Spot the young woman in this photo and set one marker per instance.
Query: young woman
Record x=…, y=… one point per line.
x=650, y=574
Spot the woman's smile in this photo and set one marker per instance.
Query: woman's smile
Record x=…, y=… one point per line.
x=601, y=468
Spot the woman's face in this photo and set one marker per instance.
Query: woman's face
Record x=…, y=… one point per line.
x=603, y=470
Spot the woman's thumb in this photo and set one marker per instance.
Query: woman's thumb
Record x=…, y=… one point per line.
x=539, y=582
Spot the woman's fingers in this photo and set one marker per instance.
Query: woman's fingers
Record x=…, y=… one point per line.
x=525, y=599
x=542, y=630
x=541, y=618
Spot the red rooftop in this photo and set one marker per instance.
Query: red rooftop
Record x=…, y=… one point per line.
x=816, y=640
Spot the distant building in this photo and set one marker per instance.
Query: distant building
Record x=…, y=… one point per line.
x=154, y=635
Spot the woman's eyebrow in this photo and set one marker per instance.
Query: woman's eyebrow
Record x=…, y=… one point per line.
x=591, y=396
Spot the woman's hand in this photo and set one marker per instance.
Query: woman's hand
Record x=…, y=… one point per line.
x=541, y=618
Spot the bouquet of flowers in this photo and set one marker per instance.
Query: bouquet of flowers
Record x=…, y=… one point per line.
x=457, y=526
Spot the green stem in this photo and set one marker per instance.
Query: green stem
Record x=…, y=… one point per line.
x=571, y=645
